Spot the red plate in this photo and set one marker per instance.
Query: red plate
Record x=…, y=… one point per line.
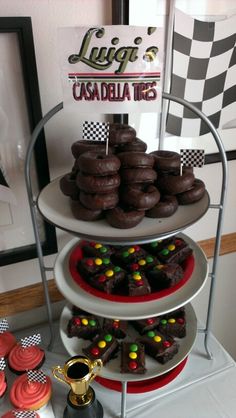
x=77, y=255
x=142, y=386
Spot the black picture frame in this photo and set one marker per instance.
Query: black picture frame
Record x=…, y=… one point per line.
x=22, y=27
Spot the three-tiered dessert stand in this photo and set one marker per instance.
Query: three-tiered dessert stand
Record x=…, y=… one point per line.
x=54, y=207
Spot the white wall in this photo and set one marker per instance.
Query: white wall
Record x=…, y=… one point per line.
x=46, y=16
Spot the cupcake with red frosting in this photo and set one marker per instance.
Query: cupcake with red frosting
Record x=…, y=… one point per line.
x=13, y=413
x=29, y=393
x=7, y=339
x=26, y=355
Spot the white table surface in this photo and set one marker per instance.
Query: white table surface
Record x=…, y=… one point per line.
x=204, y=389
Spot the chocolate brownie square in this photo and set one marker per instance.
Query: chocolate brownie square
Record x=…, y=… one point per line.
x=104, y=346
x=96, y=249
x=89, y=266
x=81, y=326
x=108, y=280
x=147, y=262
x=125, y=256
x=132, y=358
x=159, y=346
x=173, y=323
x=115, y=327
x=176, y=251
x=163, y=276
x=145, y=325
x=138, y=284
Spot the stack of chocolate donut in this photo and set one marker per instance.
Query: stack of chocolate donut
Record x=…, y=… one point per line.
x=127, y=183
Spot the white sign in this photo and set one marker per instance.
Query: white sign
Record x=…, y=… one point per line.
x=111, y=69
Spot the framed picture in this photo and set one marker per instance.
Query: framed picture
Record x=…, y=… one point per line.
x=20, y=111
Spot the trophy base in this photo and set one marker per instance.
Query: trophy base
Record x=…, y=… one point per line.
x=92, y=410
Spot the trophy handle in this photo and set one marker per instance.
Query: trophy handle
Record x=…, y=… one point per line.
x=96, y=364
x=58, y=369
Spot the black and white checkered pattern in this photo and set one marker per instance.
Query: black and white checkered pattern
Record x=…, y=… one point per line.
x=31, y=340
x=203, y=73
x=24, y=414
x=2, y=364
x=36, y=376
x=3, y=325
x=192, y=157
x=98, y=131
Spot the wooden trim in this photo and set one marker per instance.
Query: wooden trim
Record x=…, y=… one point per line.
x=30, y=297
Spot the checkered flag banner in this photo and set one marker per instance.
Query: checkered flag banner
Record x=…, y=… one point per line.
x=2, y=363
x=24, y=414
x=203, y=73
x=31, y=340
x=192, y=157
x=36, y=376
x=3, y=326
x=97, y=131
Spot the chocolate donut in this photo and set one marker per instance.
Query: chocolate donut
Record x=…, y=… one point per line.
x=98, y=164
x=166, y=160
x=136, y=159
x=142, y=197
x=166, y=207
x=100, y=201
x=171, y=184
x=137, y=175
x=195, y=193
x=97, y=184
x=84, y=214
x=68, y=186
x=84, y=145
x=136, y=145
x=121, y=134
x=124, y=218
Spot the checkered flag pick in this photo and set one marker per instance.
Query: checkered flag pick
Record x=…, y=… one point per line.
x=203, y=73
x=192, y=157
x=24, y=414
x=31, y=340
x=96, y=131
x=2, y=364
x=36, y=376
x=3, y=326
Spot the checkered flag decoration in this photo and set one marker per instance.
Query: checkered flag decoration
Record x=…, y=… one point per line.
x=36, y=376
x=96, y=131
x=203, y=73
x=192, y=157
x=2, y=364
x=31, y=340
x=3, y=326
x=24, y=414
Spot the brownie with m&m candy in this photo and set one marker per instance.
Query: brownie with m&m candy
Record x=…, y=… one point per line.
x=138, y=284
x=108, y=280
x=116, y=327
x=132, y=357
x=145, y=325
x=147, y=262
x=96, y=249
x=176, y=251
x=160, y=346
x=155, y=247
x=85, y=327
x=104, y=346
x=173, y=324
x=127, y=255
x=88, y=266
x=163, y=276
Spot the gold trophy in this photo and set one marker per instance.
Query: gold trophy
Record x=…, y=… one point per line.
x=78, y=372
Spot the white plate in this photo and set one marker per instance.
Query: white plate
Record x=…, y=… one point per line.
x=102, y=307
x=111, y=370
x=55, y=207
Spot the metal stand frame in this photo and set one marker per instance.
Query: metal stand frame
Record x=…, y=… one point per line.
x=219, y=206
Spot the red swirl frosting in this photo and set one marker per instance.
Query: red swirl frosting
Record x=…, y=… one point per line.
x=21, y=359
x=7, y=341
x=30, y=395
x=11, y=414
x=3, y=383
